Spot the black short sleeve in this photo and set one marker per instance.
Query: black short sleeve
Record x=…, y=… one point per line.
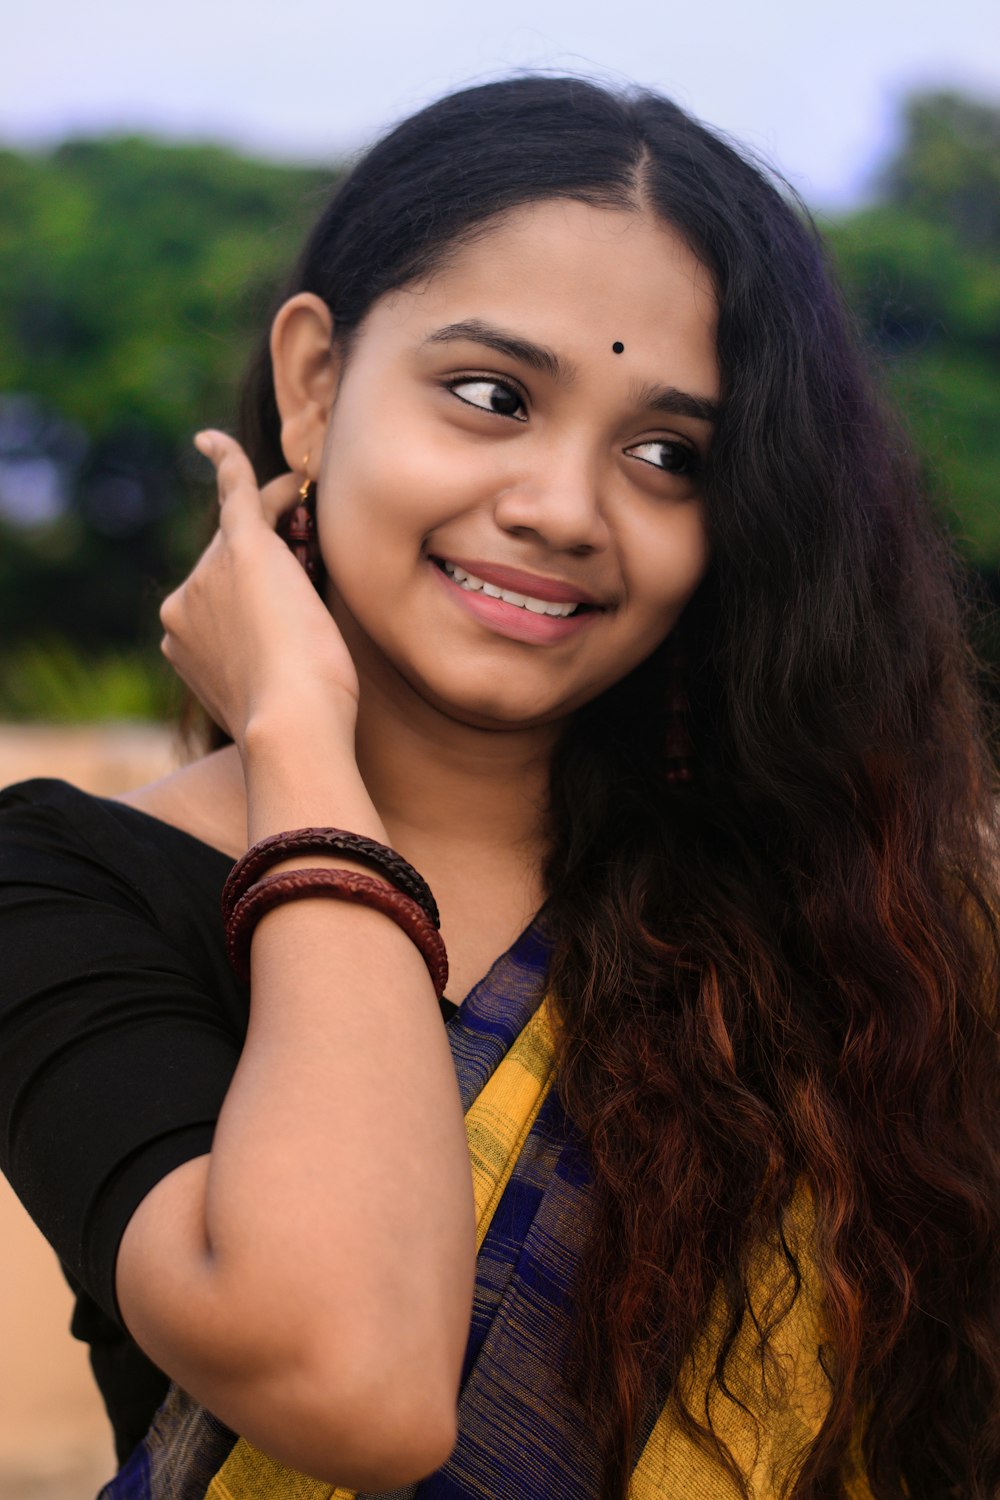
x=121, y=1025
x=120, y=1021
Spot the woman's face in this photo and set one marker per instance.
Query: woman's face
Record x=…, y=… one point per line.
x=534, y=419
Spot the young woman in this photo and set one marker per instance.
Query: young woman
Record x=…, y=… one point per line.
x=623, y=624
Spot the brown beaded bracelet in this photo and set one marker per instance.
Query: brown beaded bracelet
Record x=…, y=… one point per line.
x=267, y=852
x=349, y=885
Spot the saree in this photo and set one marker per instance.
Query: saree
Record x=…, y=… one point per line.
x=520, y=1436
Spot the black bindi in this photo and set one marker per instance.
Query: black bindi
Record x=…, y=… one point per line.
x=618, y=347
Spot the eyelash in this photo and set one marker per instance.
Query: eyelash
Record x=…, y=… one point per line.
x=691, y=457
x=503, y=385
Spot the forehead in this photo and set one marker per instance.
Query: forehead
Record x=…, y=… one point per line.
x=578, y=278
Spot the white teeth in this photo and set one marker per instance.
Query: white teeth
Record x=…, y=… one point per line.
x=523, y=601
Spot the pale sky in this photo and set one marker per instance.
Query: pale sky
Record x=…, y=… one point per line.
x=813, y=86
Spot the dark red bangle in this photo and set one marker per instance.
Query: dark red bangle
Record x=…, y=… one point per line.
x=261, y=856
x=349, y=885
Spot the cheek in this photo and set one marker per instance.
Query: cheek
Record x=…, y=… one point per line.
x=669, y=562
x=399, y=478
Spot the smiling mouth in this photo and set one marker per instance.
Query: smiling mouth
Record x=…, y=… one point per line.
x=473, y=585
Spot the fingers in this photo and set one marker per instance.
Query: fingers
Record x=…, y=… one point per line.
x=233, y=470
x=239, y=496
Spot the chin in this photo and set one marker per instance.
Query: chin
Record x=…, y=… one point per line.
x=495, y=710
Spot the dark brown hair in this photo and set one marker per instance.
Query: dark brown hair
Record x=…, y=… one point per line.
x=787, y=970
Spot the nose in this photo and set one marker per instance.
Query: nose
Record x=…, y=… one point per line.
x=559, y=503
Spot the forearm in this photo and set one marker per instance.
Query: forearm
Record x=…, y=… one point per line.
x=333, y=1229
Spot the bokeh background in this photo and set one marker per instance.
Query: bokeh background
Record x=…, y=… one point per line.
x=157, y=171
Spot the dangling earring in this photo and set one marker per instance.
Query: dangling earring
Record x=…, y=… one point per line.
x=678, y=746
x=300, y=528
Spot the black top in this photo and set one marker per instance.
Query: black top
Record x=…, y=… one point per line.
x=121, y=1024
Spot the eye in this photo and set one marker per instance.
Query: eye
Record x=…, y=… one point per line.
x=669, y=455
x=489, y=395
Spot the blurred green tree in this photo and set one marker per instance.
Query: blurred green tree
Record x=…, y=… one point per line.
x=948, y=169
x=134, y=277
x=922, y=267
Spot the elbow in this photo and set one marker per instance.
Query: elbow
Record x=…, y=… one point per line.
x=352, y=1418
x=364, y=1434
x=405, y=1422
x=415, y=1439
x=322, y=1392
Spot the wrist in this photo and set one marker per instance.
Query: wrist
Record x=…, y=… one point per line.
x=301, y=772
x=294, y=721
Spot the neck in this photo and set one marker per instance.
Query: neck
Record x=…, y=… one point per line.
x=437, y=780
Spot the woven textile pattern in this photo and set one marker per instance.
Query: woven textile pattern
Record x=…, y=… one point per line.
x=520, y=1435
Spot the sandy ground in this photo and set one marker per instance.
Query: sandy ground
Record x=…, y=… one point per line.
x=55, y=1442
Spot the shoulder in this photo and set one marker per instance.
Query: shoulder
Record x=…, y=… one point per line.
x=44, y=819
x=205, y=800
x=199, y=806
x=59, y=842
x=121, y=1021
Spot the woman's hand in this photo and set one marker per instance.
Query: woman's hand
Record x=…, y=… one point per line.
x=247, y=630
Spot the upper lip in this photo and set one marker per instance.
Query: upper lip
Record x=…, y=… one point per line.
x=516, y=581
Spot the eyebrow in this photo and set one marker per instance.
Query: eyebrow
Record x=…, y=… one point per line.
x=535, y=356
x=667, y=398
x=659, y=398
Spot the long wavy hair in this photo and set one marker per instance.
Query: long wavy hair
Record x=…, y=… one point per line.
x=786, y=970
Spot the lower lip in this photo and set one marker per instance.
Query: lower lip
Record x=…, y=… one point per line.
x=511, y=620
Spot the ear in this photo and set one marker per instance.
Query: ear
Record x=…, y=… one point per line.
x=306, y=370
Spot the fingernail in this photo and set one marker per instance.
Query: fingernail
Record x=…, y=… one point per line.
x=205, y=443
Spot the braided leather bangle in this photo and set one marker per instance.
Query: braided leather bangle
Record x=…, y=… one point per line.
x=260, y=856
x=349, y=885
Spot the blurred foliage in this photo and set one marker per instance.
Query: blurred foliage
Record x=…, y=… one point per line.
x=135, y=277
x=922, y=268
x=135, y=273
x=52, y=680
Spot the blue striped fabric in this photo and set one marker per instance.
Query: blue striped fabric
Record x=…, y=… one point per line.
x=183, y=1449
x=520, y=1437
